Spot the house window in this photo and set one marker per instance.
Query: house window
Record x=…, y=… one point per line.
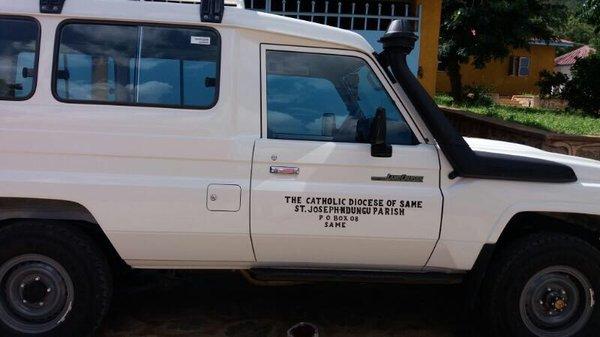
x=524, y=66
x=519, y=66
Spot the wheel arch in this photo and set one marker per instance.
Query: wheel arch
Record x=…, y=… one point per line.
x=513, y=215
x=582, y=225
x=585, y=226
x=59, y=213
x=51, y=209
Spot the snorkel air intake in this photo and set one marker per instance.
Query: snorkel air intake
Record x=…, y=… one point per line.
x=398, y=42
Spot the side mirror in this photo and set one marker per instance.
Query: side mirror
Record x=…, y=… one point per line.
x=379, y=147
x=328, y=125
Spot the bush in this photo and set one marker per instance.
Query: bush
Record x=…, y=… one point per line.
x=583, y=90
x=444, y=99
x=477, y=96
x=551, y=84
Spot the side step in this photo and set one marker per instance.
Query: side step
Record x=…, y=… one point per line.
x=325, y=275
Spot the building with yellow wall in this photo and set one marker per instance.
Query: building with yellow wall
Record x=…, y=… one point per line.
x=431, y=17
x=515, y=75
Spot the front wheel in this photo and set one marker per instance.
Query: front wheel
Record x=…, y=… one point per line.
x=54, y=281
x=543, y=285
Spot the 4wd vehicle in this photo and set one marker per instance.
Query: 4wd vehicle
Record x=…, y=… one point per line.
x=172, y=136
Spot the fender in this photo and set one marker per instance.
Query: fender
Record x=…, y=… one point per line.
x=14, y=208
x=550, y=207
x=461, y=254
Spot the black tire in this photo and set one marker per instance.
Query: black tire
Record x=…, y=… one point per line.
x=543, y=285
x=66, y=260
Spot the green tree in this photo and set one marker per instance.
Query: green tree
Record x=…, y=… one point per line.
x=583, y=90
x=578, y=27
x=591, y=12
x=550, y=83
x=578, y=30
x=485, y=30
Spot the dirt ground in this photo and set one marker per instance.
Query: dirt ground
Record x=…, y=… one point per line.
x=224, y=305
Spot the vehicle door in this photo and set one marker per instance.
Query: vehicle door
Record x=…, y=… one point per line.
x=318, y=195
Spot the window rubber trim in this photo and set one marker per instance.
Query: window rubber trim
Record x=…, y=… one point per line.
x=37, y=55
x=55, y=62
x=415, y=128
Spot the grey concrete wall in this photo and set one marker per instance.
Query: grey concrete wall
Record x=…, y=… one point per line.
x=472, y=125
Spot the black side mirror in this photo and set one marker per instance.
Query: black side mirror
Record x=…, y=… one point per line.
x=379, y=147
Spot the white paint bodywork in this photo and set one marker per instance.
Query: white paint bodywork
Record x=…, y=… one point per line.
x=147, y=174
x=477, y=211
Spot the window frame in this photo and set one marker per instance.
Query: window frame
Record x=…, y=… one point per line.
x=56, y=61
x=513, y=68
x=373, y=65
x=36, y=58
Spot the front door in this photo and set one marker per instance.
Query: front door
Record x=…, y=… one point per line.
x=319, y=199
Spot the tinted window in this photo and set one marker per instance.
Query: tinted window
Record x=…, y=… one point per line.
x=18, y=57
x=97, y=63
x=327, y=98
x=158, y=66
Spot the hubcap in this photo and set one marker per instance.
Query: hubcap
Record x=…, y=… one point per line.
x=36, y=293
x=557, y=301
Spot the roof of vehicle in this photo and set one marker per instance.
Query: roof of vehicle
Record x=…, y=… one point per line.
x=236, y=3
x=188, y=13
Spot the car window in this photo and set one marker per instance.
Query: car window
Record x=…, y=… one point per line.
x=18, y=58
x=324, y=97
x=138, y=65
x=292, y=115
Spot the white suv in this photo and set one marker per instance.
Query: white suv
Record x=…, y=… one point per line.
x=183, y=136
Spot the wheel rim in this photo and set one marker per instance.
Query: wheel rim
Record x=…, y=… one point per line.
x=557, y=301
x=36, y=293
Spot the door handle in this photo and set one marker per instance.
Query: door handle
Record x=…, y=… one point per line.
x=285, y=170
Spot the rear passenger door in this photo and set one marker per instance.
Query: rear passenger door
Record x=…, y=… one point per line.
x=318, y=196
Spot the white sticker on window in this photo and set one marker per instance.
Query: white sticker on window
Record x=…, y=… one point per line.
x=202, y=40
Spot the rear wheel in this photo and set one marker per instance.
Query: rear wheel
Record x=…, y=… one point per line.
x=54, y=281
x=543, y=286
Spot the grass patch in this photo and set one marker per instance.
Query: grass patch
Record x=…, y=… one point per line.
x=566, y=122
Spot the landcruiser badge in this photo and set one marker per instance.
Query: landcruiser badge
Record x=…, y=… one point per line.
x=404, y=178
